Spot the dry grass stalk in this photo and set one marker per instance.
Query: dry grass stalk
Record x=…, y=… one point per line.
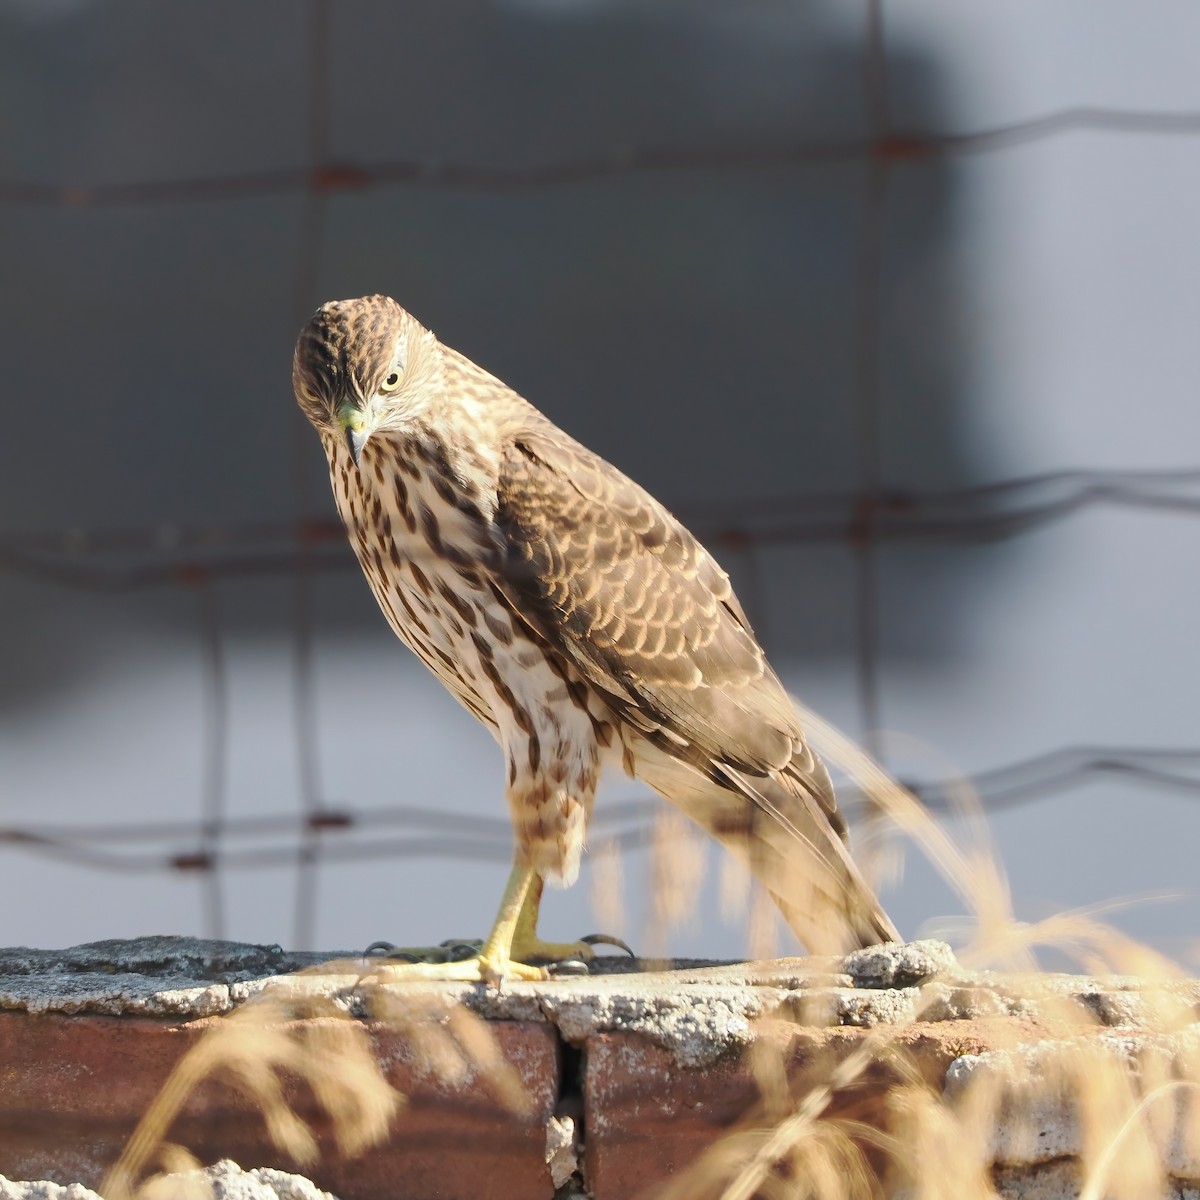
x=608, y=887
x=734, y=888
x=282, y=1033
x=856, y=1123
x=448, y=1041
x=291, y=1032
x=678, y=857
x=176, y=1181
x=942, y=1152
x=1130, y=1115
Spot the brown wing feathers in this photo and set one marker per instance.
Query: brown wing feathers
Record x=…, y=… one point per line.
x=637, y=604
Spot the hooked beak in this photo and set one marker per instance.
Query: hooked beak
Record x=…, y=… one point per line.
x=354, y=430
x=355, y=440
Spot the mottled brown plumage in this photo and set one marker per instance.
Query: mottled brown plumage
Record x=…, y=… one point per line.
x=572, y=614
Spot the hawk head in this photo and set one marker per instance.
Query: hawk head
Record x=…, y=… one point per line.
x=356, y=368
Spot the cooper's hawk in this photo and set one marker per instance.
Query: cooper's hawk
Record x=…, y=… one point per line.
x=575, y=617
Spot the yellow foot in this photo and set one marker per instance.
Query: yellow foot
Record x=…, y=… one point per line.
x=451, y=950
x=564, y=954
x=480, y=969
x=562, y=958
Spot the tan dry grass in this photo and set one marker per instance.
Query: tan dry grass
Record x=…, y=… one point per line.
x=797, y=1142
x=279, y=1035
x=855, y=1127
x=290, y=1033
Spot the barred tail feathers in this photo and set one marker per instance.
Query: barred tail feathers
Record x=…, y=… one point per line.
x=787, y=832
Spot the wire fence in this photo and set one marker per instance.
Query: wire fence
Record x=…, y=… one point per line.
x=865, y=517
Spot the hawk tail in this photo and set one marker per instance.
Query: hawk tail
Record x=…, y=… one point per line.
x=795, y=846
x=786, y=829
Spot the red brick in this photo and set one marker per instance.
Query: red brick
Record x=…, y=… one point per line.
x=648, y=1118
x=73, y=1088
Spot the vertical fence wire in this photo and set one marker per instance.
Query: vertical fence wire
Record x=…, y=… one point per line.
x=868, y=324
x=215, y=770
x=304, y=698
x=861, y=519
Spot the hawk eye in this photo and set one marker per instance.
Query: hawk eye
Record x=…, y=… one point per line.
x=391, y=381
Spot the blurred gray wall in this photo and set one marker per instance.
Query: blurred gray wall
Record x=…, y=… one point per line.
x=704, y=327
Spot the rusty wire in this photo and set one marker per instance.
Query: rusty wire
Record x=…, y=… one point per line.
x=863, y=517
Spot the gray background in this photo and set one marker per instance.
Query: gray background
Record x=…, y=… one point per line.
x=715, y=327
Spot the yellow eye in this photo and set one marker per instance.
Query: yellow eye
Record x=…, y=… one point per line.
x=391, y=381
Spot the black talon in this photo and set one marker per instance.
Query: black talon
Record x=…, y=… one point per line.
x=606, y=939
x=461, y=951
x=568, y=966
x=384, y=948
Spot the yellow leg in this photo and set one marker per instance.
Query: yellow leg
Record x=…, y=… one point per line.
x=505, y=954
x=495, y=961
x=496, y=958
x=526, y=944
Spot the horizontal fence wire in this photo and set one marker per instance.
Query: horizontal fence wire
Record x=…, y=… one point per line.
x=275, y=839
x=896, y=147
x=863, y=517
x=168, y=554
